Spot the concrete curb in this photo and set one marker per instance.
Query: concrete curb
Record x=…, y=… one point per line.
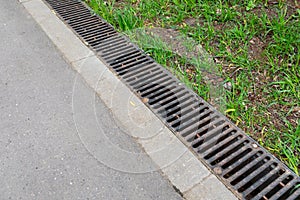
x=183, y=169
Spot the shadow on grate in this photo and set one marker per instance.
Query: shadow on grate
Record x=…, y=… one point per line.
x=240, y=163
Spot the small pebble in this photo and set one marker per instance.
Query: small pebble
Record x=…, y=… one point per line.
x=252, y=41
x=145, y=100
x=227, y=85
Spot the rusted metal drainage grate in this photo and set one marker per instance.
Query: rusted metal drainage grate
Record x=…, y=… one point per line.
x=240, y=163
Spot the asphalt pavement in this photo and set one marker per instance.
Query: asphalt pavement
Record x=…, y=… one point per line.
x=42, y=155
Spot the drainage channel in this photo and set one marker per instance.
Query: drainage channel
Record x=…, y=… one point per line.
x=246, y=168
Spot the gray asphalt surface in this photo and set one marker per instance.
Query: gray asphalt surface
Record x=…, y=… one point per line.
x=41, y=153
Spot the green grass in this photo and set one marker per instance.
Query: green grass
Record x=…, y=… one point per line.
x=255, y=45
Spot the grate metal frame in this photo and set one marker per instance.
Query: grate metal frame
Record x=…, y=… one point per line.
x=246, y=168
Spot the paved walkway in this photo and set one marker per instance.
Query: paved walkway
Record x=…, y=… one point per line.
x=41, y=154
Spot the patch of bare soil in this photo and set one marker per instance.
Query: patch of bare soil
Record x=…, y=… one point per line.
x=193, y=22
x=256, y=48
x=272, y=12
x=186, y=47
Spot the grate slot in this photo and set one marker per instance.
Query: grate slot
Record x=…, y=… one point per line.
x=194, y=113
x=262, y=183
x=199, y=136
x=65, y=11
x=120, y=60
x=112, y=48
x=126, y=64
x=61, y=3
x=288, y=192
x=160, y=95
x=186, y=124
x=154, y=88
x=196, y=133
x=291, y=191
x=205, y=119
x=211, y=141
x=235, y=158
x=157, y=92
x=132, y=69
x=91, y=22
x=66, y=4
x=129, y=70
x=103, y=38
x=121, y=51
x=174, y=108
x=74, y=8
x=141, y=75
x=111, y=52
x=257, y=173
x=161, y=81
x=170, y=105
x=98, y=35
x=275, y=187
x=71, y=11
x=172, y=98
x=167, y=94
x=148, y=88
x=237, y=148
x=108, y=42
x=100, y=38
x=221, y=146
x=248, y=170
x=140, y=83
x=82, y=22
x=232, y=144
x=237, y=169
x=195, y=123
x=112, y=60
x=73, y=16
x=184, y=111
x=200, y=141
x=84, y=29
x=94, y=30
x=91, y=29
